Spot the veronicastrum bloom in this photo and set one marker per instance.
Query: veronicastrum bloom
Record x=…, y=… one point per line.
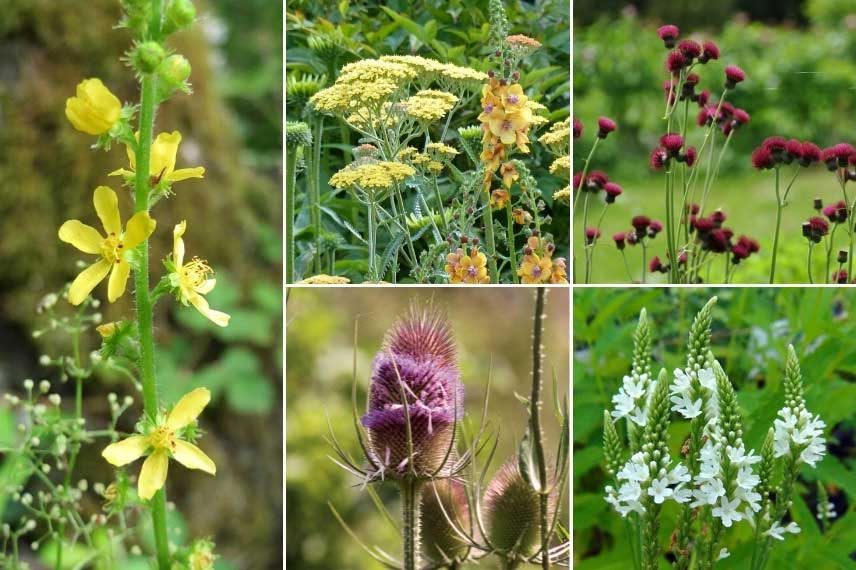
x=112, y=248
x=163, y=442
x=94, y=109
x=162, y=165
x=193, y=279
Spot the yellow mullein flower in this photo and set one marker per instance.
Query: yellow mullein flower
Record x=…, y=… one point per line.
x=535, y=269
x=111, y=248
x=473, y=268
x=193, y=279
x=509, y=174
x=499, y=199
x=162, y=443
x=94, y=109
x=162, y=162
x=513, y=99
x=506, y=125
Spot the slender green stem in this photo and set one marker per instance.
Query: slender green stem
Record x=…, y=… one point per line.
x=829, y=246
x=644, y=260
x=778, y=228
x=315, y=192
x=585, y=171
x=148, y=102
x=487, y=219
x=410, y=507
x=372, y=224
x=808, y=263
x=440, y=204
x=626, y=268
x=535, y=423
x=512, y=249
x=585, y=237
x=290, y=183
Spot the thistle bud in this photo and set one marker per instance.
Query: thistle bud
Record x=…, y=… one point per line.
x=147, y=56
x=842, y=256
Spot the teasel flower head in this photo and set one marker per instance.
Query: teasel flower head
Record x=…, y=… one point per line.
x=511, y=511
x=415, y=396
x=444, y=500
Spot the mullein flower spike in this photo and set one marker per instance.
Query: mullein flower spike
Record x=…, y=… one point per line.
x=415, y=397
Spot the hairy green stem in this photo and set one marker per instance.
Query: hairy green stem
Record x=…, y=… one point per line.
x=512, y=249
x=778, y=228
x=315, y=191
x=290, y=183
x=535, y=422
x=487, y=219
x=410, y=507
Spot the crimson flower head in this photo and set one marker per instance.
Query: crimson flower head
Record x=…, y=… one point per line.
x=809, y=153
x=762, y=159
x=693, y=209
x=415, y=380
x=654, y=228
x=577, y=181
x=619, y=240
x=705, y=115
x=669, y=34
x=690, y=156
x=604, y=127
x=640, y=224
x=815, y=228
x=597, y=180
x=612, y=191
x=656, y=266
x=842, y=152
x=776, y=145
x=703, y=98
x=578, y=128
x=830, y=158
x=840, y=277
x=675, y=62
x=673, y=143
x=591, y=235
x=718, y=218
x=709, y=51
x=744, y=247
x=659, y=158
x=704, y=225
x=837, y=213
x=632, y=238
x=690, y=49
x=733, y=76
x=718, y=241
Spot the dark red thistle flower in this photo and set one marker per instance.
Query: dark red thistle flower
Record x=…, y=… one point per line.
x=843, y=152
x=690, y=156
x=709, y=51
x=815, y=228
x=690, y=49
x=417, y=365
x=840, y=277
x=704, y=225
x=733, y=76
x=703, y=98
x=837, y=212
x=741, y=116
x=830, y=158
x=672, y=142
x=739, y=251
x=726, y=110
x=578, y=178
x=656, y=266
x=654, y=228
x=578, y=128
x=675, y=62
x=613, y=191
x=659, y=158
x=605, y=126
x=640, y=224
x=691, y=79
x=762, y=158
x=809, y=153
x=693, y=209
x=775, y=144
x=596, y=180
x=619, y=240
x=632, y=238
x=719, y=240
x=682, y=258
x=718, y=218
x=705, y=116
x=591, y=235
x=818, y=204
x=669, y=34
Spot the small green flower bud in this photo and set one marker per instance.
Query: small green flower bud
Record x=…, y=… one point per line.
x=174, y=71
x=611, y=445
x=179, y=15
x=297, y=133
x=147, y=56
x=765, y=468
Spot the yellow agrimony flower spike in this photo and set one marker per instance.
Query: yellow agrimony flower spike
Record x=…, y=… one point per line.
x=94, y=109
x=111, y=248
x=162, y=164
x=162, y=443
x=193, y=279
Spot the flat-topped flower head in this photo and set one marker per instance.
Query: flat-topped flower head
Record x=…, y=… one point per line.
x=162, y=161
x=192, y=280
x=733, y=76
x=429, y=105
x=415, y=381
x=94, y=109
x=605, y=126
x=165, y=440
x=669, y=34
x=112, y=248
x=372, y=176
x=520, y=40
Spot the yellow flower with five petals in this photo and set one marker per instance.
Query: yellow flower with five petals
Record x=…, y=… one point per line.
x=111, y=248
x=162, y=162
x=162, y=443
x=506, y=124
x=193, y=279
x=94, y=109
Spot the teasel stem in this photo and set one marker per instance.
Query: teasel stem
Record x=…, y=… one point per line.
x=410, y=515
x=535, y=424
x=148, y=104
x=487, y=219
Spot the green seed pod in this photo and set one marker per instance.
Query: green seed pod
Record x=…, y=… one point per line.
x=179, y=15
x=147, y=56
x=512, y=513
x=439, y=541
x=326, y=46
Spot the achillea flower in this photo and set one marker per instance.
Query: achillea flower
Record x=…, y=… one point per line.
x=192, y=280
x=605, y=126
x=709, y=51
x=499, y=199
x=441, y=150
x=429, y=105
x=111, y=249
x=162, y=161
x=372, y=176
x=558, y=136
x=561, y=167
x=762, y=158
x=675, y=62
x=733, y=76
x=669, y=34
x=511, y=511
x=94, y=109
x=469, y=269
x=612, y=191
x=324, y=279
x=417, y=366
x=165, y=440
x=524, y=41
x=563, y=195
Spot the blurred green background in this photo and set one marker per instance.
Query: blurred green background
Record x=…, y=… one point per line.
x=232, y=126
x=490, y=325
x=800, y=61
x=450, y=31
x=751, y=330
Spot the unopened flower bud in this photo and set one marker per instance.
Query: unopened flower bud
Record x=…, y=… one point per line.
x=147, y=56
x=174, y=71
x=842, y=256
x=179, y=15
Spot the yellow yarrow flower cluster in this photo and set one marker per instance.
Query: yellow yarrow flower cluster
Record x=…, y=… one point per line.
x=563, y=195
x=372, y=175
x=112, y=248
x=94, y=109
x=364, y=83
x=429, y=105
x=561, y=166
x=558, y=137
x=470, y=269
x=163, y=442
x=430, y=69
x=324, y=279
x=538, y=266
x=441, y=150
x=413, y=156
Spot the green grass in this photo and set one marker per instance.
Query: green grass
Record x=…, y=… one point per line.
x=750, y=203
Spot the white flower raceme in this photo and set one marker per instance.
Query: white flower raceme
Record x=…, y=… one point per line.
x=777, y=531
x=826, y=511
x=801, y=433
x=631, y=399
